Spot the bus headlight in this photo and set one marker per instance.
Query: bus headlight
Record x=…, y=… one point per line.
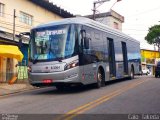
x=71, y=65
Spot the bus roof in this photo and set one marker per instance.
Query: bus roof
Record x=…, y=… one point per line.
x=87, y=22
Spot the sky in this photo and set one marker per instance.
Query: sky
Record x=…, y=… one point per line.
x=139, y=14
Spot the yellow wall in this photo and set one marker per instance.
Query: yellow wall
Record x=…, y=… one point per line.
x=15, y=62
x=149, y=59
x=150, y=54
x=1, y=66
x=2, y=69
x=39, y=14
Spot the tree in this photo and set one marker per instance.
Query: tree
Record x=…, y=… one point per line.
x=153, y=36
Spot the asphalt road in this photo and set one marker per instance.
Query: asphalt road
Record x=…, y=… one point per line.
x=138, y=96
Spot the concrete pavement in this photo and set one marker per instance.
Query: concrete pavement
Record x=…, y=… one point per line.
x=140, y=95
x=7, y=89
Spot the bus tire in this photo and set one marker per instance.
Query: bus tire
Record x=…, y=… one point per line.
x=132, y=73
x=60, y=87
x=100, y=79
x=156, y=75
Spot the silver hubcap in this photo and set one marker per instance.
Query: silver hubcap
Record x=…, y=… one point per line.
x=99, y=77
x=131, y=73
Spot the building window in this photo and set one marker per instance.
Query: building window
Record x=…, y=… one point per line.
x=26, y=18
x=1, y=9
x=116, y=25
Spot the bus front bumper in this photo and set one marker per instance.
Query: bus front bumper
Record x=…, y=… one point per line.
x=49, y=79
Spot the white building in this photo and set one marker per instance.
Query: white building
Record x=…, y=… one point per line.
x=111, y=18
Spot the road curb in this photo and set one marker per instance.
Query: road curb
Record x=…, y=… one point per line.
x=16, y=92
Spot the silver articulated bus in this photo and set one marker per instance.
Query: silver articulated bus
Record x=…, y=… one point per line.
x=80, y=51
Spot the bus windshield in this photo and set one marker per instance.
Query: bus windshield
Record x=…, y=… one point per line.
x=53, y=43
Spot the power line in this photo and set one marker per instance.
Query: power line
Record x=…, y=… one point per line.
x=144, y=12
x=135, y=34
x=94, y=6
x=135, y=29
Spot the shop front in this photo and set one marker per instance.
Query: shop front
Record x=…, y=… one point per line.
x=9, y=57
x=149, y=59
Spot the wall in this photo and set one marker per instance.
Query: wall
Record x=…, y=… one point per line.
x=2, y=69
x=39, y=14
x=109, y=20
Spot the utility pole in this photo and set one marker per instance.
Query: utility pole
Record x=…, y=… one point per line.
x=14, y=17
x=94, y=6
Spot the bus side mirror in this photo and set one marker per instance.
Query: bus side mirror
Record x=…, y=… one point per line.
x=20, y=42
x=25, y=34
x=83, y=33
x=86, y=43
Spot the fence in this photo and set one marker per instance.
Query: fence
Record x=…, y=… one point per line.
x=8, y=71
x=22, y=72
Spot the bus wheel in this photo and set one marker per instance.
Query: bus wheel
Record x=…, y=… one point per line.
x=132, y=73
x=156, y=75
x=100, y=79
x=60, y=87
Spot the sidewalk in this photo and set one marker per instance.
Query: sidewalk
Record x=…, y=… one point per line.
x=7, y=89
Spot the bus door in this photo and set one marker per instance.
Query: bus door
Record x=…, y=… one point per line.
x=125, y=59
x=87, y=58
x=111, y=58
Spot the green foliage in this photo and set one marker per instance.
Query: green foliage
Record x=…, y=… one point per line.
x=153, y=36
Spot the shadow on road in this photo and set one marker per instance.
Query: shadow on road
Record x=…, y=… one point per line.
x=77, y=89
